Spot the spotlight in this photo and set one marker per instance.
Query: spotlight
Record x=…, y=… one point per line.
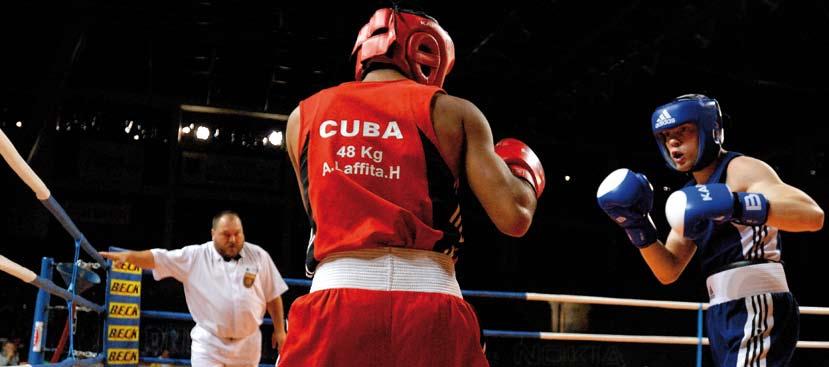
x=19, y=124
x=275, y=138
x=202, y=133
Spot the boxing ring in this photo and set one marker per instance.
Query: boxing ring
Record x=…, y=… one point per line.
x=699, y=340
x=122, y=311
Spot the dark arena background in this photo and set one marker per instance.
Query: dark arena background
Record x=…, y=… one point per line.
x=105, y=100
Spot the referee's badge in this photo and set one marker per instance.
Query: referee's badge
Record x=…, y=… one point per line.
x=250, y=276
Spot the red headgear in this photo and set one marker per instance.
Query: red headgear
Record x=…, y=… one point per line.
x=416, y=44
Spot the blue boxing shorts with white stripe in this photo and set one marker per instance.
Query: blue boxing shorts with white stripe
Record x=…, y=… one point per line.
x=755, y=331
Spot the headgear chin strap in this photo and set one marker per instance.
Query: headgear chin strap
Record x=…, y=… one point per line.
x=413, y=43
x=691, y=108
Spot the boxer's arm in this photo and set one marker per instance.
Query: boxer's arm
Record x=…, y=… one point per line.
x=669, y=261
x=790, y=209
x=508, y=200
x=291, y=141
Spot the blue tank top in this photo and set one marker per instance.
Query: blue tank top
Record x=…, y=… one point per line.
x=727, y=243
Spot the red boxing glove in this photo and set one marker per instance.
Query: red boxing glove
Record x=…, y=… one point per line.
x=523, y=162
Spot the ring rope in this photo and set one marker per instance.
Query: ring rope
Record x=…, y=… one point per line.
x=28, y=276
x=19, y=166
x=528, y=296
x=43, y=281
x=563, y=298
x=543, y=335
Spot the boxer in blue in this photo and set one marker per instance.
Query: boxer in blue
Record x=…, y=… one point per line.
x=731, y=211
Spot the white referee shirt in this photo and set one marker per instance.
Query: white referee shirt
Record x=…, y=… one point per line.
x=227, y=299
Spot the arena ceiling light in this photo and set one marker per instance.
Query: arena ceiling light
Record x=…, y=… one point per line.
x=275, y=138
x=202, y=133
x=229, y=130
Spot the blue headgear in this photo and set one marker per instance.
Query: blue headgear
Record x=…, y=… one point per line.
x=696, y=108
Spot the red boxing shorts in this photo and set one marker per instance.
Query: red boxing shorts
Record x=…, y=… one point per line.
x=413, y=316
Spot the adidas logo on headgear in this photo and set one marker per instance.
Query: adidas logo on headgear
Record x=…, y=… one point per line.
x=664, y=119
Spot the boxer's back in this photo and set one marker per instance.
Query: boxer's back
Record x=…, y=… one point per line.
x=372, y=170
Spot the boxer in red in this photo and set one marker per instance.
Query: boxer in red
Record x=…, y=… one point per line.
x=378, y=163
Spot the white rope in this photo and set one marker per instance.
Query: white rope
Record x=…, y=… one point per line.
x=615, y=301
x=649, y=339
x=16, y=270
x=22, y=168
x=674, y=305
x=814, y=310
x=812, y=344
x=653, y=339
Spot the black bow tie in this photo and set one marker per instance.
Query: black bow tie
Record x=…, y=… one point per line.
x=234, y=258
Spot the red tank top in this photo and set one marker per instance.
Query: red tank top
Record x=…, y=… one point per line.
x=372, y=173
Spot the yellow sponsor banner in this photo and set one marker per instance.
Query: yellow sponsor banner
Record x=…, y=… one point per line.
x=127, y=268
x=124, y=310
x=122, y=356
x=122, y=333
x=125, y=287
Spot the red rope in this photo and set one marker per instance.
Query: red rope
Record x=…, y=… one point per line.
x=64, y=337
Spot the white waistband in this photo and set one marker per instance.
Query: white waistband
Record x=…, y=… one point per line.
x=388, y=269
x=746, y=281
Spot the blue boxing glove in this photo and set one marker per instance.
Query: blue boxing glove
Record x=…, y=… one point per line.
x=690, y=209
x=627, y=197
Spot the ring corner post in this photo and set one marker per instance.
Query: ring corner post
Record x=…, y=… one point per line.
x=122, y=322
x=40, y=320
x=699, y=335
x=107, y=315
